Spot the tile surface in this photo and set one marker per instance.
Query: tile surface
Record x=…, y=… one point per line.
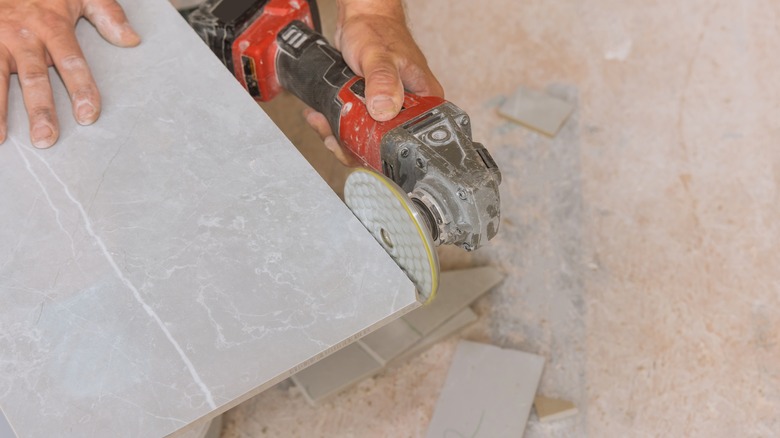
x=489, y=392
x=173, y=259
x=5, y=428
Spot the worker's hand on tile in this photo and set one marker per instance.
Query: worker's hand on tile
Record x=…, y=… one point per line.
x=36, y=34
x=376, y=44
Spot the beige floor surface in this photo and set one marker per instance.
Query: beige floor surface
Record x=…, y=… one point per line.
x=641, y=245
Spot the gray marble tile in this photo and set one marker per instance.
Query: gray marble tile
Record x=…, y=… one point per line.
x=5, y=428
x=175, y=258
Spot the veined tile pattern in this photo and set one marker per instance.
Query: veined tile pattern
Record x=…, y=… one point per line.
x=173, y=259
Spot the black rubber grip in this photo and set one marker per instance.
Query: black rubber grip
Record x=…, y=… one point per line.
x=311, y=69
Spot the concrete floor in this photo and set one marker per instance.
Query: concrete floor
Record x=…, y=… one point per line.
x=641, y=245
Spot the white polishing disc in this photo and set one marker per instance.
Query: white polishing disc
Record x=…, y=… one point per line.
x=389, y=215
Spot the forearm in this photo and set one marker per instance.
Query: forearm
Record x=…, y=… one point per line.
x=393, y=9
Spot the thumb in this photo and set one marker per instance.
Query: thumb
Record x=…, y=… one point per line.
x=420, y=80
x=384, y=89
x=110, y=20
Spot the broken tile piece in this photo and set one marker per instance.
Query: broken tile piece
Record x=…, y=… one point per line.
x=457, y=289
x=488, y=392
x=453, y=325
x=551, y=409
x=391, y=340
x=335, y=372
x=536, y=110
x=340, y=381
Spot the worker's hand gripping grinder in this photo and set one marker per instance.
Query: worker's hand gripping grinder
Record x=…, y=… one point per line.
x=439, y=187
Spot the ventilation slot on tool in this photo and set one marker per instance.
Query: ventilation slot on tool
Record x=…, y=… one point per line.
x=423, y=122
x=486, y=158
x=250, y=77
x=388, y=170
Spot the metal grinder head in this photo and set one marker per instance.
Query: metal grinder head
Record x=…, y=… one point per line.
x=451, y=179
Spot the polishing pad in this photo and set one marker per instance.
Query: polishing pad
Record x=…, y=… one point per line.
x=391, y=217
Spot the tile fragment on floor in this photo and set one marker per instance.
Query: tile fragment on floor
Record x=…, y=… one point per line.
x=488, y=392
x=551, y=409
x=461, y=320
x=331, y=374
x=391, y=340
x=338, y=381
x=536, y=110
x=457, y=289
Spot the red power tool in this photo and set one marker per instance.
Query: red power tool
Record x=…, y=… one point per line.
x=447, y=183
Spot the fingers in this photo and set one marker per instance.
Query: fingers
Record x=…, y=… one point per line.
x=320, y=124
x=110, y=20
x=340, y=153
x=318, y=121
x=384, y=88
x=34, y=35
x=5, y=75
x=69, y=60
x=30, y=57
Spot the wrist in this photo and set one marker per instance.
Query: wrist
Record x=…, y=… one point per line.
x=393, y=9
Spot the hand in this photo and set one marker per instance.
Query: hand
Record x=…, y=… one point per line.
x=320, y=124
x=377, y=44
x=36, y=34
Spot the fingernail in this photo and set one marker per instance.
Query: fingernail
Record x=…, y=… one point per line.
x=42, y=135
x=85, y=112
x=382, y=105
x=331, y=143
